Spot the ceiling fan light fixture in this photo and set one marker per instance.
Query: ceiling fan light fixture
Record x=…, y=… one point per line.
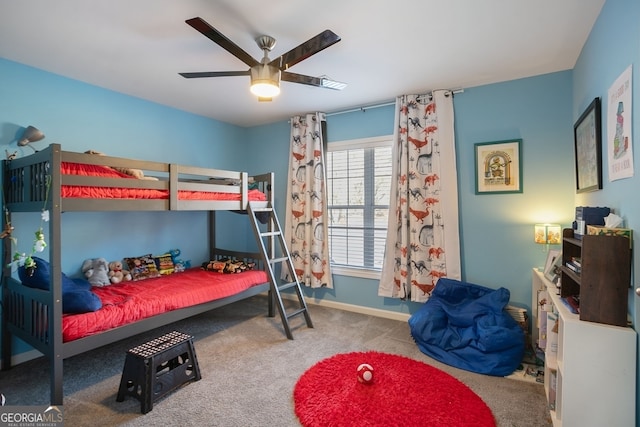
x=265, y=90
x=265, y=81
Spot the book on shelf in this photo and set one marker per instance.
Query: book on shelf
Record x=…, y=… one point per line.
x=572, y=302
x=542, y=331
x=544, y=305
x=553, y=382
x=552, y=334
x=577, y=261
x=573, y=267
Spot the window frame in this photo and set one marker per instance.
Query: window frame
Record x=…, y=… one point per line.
x=354, y=144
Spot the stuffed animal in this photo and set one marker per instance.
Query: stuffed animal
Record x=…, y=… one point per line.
x=226, y=265
x=179, y=265
x=96, y=270
x=117, y=274
x=136, y=173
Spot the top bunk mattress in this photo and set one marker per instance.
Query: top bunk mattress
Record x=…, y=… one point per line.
x=107, y=192
x=128, y=302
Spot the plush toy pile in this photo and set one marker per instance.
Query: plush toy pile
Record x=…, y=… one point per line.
x=227, y=265
x=100, y=272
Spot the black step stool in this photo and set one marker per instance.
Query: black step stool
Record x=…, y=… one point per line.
x=155, y=368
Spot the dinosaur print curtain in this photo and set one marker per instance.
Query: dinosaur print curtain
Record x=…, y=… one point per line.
x=305, y=231
x=423, y=237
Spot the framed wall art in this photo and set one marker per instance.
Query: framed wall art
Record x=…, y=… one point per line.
x=549, y=266
x=499, y=167
x=588, y=149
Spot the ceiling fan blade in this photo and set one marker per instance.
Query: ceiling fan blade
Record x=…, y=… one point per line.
x=288, y=76
x=306, y=49
x=312, y=81
x=214, y=74
x=208, y=31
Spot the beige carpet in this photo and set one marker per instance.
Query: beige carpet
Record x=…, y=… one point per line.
x=249, y=370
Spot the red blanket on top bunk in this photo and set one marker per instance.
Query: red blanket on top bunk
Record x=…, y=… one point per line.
x=128, y=302
x=89, y=192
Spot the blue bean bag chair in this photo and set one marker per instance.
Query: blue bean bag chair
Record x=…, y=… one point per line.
x=465, y=325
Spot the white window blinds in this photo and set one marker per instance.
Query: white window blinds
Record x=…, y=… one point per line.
x=358, y=181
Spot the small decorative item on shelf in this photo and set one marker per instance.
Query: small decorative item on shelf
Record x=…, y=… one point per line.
x=624, y=232
x=547, y=234
x=548, y=271
x=553, y=274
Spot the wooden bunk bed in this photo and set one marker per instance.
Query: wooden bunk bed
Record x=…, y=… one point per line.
x=59, y=181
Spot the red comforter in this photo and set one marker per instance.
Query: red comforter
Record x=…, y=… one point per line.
x=87, y=192
x=128, y=302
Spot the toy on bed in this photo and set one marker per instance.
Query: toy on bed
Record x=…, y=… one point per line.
x=164, y=264
x=142, y=267
x=96, y=270
x=178, y=264
x=135, y=173
x=228, y=266
x=76, y=293
x=117, y=274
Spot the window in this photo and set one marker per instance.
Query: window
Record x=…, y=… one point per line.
x=359, y=182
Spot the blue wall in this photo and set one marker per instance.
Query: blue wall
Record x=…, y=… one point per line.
x=496, y=230
x=613, y=45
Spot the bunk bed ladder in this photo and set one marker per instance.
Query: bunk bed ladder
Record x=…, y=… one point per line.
x=267, y=242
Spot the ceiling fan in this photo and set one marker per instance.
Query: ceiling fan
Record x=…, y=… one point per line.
x=266, y=74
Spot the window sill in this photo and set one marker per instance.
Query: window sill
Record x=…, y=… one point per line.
x=356, y=272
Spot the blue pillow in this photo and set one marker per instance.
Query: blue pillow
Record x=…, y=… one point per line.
x=76, y=293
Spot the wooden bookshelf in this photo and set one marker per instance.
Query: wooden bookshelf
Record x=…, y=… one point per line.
x=602, y=285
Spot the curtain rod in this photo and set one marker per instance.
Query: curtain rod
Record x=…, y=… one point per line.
x=382, y=104
x=363, y=108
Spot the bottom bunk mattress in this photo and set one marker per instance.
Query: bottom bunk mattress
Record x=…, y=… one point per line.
x=128, y=302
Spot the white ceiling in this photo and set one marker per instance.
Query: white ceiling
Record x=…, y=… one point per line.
x=388, y=48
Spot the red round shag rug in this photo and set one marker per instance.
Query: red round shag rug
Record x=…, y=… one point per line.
x=404, y=392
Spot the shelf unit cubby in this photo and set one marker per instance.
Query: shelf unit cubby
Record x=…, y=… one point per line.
x=590, y=368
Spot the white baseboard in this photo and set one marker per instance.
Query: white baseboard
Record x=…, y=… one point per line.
x=393, y=315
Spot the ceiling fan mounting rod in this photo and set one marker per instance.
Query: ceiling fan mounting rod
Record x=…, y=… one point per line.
x=266, y=42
